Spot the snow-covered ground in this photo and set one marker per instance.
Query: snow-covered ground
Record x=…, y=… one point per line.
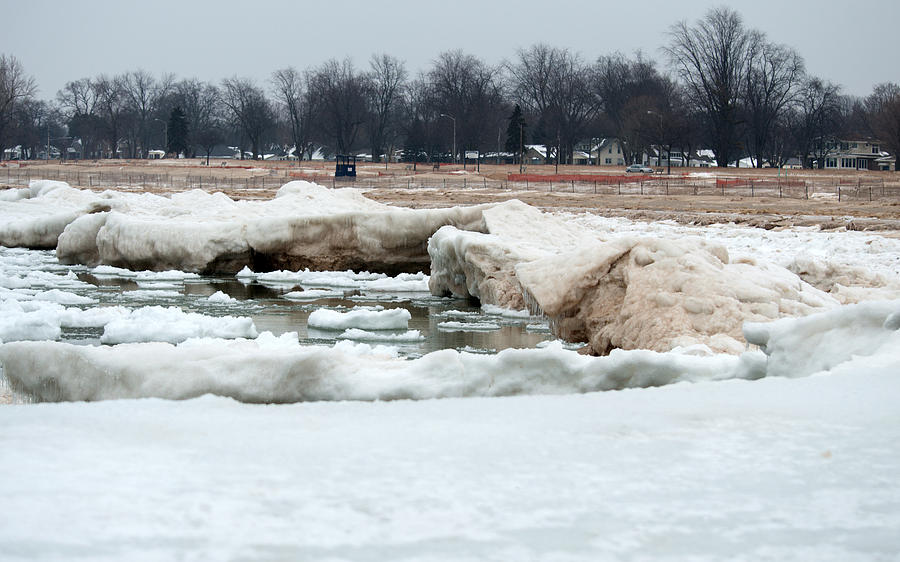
x=783, y=452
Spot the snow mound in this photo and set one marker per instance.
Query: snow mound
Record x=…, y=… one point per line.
x=362, y=318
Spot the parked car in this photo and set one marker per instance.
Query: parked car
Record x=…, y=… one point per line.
x=639, y=169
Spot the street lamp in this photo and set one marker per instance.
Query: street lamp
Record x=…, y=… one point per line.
x=452, y=118
x=166, y=129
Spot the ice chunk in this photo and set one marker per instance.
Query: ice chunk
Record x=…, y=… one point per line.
x=640, y=293
x=365, y=335
x=362, y=318
x=159, y=324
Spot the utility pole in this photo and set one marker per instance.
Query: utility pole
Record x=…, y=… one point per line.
x=452, y=118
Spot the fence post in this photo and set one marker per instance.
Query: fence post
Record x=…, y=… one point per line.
x=806, y=188
x=839, y=193
x=595, y=187
x=751, y=188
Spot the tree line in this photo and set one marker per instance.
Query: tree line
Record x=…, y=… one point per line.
x=723, y=87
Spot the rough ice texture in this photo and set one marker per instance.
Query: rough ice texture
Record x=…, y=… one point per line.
x=848, y=284
x=304, y=226
x=635, y=293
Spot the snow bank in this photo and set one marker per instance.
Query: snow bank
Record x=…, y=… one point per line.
x=658, y=294
x=860, y=334
x=304, y=226
x=847, y=340
x=263, y=371
x=360, y=317
x=159, y=324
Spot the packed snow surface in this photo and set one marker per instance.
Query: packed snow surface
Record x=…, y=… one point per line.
x=775, y=469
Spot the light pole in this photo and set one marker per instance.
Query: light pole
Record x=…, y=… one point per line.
x=668, y=146
x=452, y=118
x=166, y=129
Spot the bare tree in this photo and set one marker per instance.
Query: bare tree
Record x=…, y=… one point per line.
x=420, y=118
x=143, y=95
x=883, y=112
x=292, y=93
x=468, y=92
x=111, y=109
x=341, y=92
x=626, y=90
x=816, y=121
x=773, y=79
x=15, y=88
x=712, y=58
x=387, y=78
x=250, y=109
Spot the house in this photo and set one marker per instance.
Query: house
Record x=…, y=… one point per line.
x=854, y=155
x=608, y=152
x=535, y=154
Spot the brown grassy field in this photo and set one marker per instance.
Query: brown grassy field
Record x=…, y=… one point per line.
x=766, y=198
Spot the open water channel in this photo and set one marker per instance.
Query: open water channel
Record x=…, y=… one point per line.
x=443, y=323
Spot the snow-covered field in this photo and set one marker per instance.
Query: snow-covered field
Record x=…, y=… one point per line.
x=783, y=452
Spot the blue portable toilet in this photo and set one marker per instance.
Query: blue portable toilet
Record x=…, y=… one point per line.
x=345, y=166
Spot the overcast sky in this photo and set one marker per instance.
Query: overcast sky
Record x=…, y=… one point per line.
x=855, y=45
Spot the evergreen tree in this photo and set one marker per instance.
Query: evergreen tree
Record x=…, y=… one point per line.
x=516, y=132
x=178, y=133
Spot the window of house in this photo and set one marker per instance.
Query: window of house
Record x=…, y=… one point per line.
x=618, y=150
x=854, y=145
x=848, y=162
x=609, y=160
x=845, y=146
x=831, y=162
x=862, y=164
x=875, y=150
